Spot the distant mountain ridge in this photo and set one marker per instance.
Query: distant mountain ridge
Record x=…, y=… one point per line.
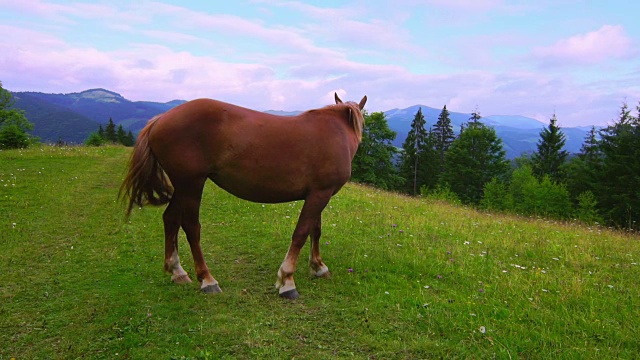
x=71, y=117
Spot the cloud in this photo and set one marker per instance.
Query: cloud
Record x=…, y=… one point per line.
x=610, y=42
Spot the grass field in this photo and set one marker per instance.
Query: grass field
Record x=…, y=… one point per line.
x=412, y=279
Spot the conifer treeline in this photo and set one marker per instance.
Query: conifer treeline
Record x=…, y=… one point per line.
x=111, y=135
x=598, y=185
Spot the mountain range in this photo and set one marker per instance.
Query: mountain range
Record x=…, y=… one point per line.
x=71, y=117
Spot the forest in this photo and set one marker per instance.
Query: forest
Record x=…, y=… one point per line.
x=597, y=186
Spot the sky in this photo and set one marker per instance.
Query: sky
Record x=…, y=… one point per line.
x=579, y=60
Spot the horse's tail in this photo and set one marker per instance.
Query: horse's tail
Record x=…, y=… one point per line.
x=146, y=181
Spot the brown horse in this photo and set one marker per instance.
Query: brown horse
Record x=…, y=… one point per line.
x=253, y=155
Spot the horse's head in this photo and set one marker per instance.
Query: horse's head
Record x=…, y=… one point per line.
x=355, y=114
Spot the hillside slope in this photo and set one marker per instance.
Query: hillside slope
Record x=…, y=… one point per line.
x=412, y=279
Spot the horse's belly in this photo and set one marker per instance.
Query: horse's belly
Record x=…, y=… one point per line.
x=261, y=192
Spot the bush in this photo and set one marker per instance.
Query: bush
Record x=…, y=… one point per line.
x=496, y=196
x=587, y=211
x=94, y=139
x=13, y=137
x=441, y=193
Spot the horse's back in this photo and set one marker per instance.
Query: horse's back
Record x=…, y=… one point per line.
x=253, y=155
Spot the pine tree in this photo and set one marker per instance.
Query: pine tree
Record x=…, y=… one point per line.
x=130, y=139
x=373, y=163
x=110, y=132
x=619, y=179
x=443, y=136
x=582, y=171
x=121, y=136
x=550, y=157
x=473, y=160
x=417, y=157
x=101, y=131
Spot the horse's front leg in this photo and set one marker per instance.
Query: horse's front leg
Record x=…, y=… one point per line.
x=316, y=266
x=307, y=223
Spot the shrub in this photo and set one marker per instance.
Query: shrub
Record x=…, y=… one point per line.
x=587, y=211
x=13, y=137
x=441, y=193
x=496, y=196
x=94, y=139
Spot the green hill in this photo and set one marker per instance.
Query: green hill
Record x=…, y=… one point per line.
x=412, y=279
x=71, y=117
x=54, y=122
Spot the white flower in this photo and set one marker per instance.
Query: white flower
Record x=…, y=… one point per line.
x=483, y=329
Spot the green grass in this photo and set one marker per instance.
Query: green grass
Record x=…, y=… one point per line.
x=428, y=280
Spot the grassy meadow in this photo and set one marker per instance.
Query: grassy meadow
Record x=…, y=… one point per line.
x=412, y=279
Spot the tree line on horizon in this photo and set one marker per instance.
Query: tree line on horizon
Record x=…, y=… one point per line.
x=110, y=135
x=596, y=186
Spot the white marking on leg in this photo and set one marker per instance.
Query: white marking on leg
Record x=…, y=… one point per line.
x=319, y=271
x=207, y=282
x=176, y=269
x=284, y=283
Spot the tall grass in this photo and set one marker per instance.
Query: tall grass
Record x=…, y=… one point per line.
x=411, y=278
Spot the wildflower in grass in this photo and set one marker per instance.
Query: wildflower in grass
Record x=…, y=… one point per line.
x=483, y=330
x=439, y=277
x=481, y=290
x=386, y=292
x=401, y=231
x=350, y=270
x=394, y=225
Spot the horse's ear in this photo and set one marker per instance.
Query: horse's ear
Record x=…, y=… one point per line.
x=362, y=102
x=338, y=101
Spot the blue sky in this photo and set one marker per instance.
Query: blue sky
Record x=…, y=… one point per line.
x=577, y=59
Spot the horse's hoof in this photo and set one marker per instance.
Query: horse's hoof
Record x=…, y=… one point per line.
x=211, y=289
x=182, y=279
x=325, y=275
x=290, y=294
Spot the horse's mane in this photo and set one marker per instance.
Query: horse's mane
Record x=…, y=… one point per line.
x=355, y=118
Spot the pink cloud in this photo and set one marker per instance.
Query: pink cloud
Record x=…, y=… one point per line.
x=610, y=42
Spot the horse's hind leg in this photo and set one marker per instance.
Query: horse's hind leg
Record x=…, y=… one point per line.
x=190, y=196
x=307, y=223
x=171, y=218
x=316, y=266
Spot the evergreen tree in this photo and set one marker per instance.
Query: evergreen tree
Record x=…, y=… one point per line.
x=619, y=179
x=130, y=140
x=550, y=157
x=473, y=160
x=121, y=136
x=373, y=163
x=110, y=132
x=582, y=171
x=101, y=131
x=443, y=136
x=417, y=161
